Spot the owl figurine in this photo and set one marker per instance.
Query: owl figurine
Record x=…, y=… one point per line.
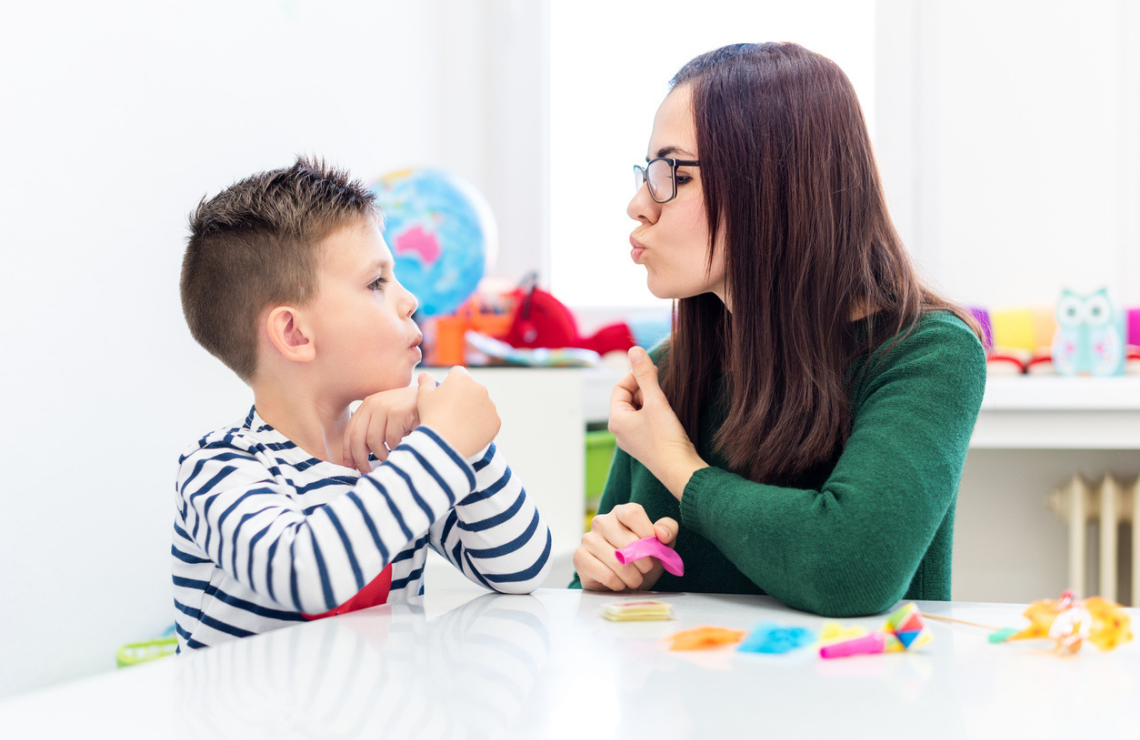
x=1090, y=335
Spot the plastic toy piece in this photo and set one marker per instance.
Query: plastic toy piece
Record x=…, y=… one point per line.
x=833, y=632
x=904, y=630
x=1069, y=622
x=769, y=637
x=1003, y=634
x=704, y=638
x=651, y=547
x=637, y=611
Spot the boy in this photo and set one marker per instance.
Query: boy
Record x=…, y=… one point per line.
x=285, y=517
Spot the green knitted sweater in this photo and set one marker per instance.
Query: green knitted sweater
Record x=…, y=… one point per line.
x=854, y=536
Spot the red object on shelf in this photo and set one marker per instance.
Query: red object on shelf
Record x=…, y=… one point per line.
x=541, y=320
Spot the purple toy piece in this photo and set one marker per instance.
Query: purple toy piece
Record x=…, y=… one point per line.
x=651, y=547
x=983, y=317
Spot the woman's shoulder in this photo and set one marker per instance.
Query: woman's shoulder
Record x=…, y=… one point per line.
x=943, y=326
x=939, y=341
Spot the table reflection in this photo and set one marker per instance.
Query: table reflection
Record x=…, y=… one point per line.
x=384, y=672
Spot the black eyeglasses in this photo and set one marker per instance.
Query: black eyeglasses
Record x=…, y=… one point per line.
x=661, y=174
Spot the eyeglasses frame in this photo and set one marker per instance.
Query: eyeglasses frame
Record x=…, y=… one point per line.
x=673, y=165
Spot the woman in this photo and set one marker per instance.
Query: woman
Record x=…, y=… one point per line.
x=816, y=400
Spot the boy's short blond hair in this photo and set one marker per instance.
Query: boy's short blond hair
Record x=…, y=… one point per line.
x=255, y=244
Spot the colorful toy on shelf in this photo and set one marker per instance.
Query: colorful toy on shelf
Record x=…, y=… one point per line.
x=442, y=234
x=540, y=357
x=1069, y=621
x=528, y=319
x=1090, y=338
x=542, y=321
x=904, y=630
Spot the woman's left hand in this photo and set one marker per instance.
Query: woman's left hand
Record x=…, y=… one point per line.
x=645, y=426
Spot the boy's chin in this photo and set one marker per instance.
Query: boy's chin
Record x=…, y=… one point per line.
x=390, y=383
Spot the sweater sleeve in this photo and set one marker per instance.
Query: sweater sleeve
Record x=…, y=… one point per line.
x=852, y=547
x=616, y=491
x=312, y=560
x=495, y=535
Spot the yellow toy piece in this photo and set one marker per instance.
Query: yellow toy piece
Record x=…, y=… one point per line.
x=833, y=632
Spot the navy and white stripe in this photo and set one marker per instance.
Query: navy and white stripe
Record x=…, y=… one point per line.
x=263, y=531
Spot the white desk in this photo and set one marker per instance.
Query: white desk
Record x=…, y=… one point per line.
x=472, y=664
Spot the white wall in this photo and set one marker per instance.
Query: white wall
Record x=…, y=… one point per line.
x=116, y=118
x=1009, y=137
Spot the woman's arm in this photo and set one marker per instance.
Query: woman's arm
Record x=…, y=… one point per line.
x=853, y=546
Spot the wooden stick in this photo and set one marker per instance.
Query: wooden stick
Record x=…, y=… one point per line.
x=959, y=621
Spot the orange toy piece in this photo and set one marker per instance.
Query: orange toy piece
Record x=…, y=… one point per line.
x=1069, y=622
x=703, y=638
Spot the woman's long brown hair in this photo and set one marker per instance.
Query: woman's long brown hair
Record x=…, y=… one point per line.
x=788, y=174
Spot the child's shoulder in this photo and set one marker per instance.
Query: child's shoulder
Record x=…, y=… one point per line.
x=248, y=436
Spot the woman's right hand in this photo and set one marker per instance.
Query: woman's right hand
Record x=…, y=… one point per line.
x=594, y=559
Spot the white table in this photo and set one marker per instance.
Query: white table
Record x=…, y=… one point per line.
x=473, y=664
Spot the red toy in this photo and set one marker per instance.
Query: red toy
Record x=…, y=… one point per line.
x=541, y=320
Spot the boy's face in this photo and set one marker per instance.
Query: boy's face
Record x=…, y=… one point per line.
x=365, y=339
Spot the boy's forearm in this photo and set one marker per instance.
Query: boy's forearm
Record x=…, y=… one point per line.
x=496, y=535
x=312, y=561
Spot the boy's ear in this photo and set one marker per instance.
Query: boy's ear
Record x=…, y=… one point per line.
x=289, y=335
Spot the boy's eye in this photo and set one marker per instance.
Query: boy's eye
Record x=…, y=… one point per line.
x=378, y=283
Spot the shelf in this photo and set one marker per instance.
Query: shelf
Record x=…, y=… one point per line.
x=1030, y=393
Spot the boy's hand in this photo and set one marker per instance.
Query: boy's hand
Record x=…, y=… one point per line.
x=460, y=410
x=594, y=559
x=383, y=418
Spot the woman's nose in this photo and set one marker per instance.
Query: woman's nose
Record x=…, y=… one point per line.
x=641, y=206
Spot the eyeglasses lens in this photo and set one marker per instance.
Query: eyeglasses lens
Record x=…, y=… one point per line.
x=660, y=180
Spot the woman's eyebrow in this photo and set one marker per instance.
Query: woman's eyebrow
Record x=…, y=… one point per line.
x=665, y=151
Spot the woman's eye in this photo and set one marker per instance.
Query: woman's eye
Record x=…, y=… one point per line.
x=682, y=179
x=377, y=284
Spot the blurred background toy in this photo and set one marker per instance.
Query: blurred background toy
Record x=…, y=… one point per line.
x=1090, y=336
x=442, y=234
x=526, y=325
x=1081, y=335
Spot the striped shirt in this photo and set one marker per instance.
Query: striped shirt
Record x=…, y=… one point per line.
x=264, y=532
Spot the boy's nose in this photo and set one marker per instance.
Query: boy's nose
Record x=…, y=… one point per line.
x=412, y=303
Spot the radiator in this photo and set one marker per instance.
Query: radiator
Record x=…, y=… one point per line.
x=1109, y=504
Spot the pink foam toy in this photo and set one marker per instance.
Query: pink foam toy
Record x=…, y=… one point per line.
x=876, y=642
x=651, y=547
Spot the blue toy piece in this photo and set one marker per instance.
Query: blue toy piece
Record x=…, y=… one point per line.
x=1090, y=335
x=769, y=637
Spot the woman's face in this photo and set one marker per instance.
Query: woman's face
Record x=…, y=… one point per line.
x=672, y=239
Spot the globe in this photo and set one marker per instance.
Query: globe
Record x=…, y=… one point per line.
x=441, y=232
